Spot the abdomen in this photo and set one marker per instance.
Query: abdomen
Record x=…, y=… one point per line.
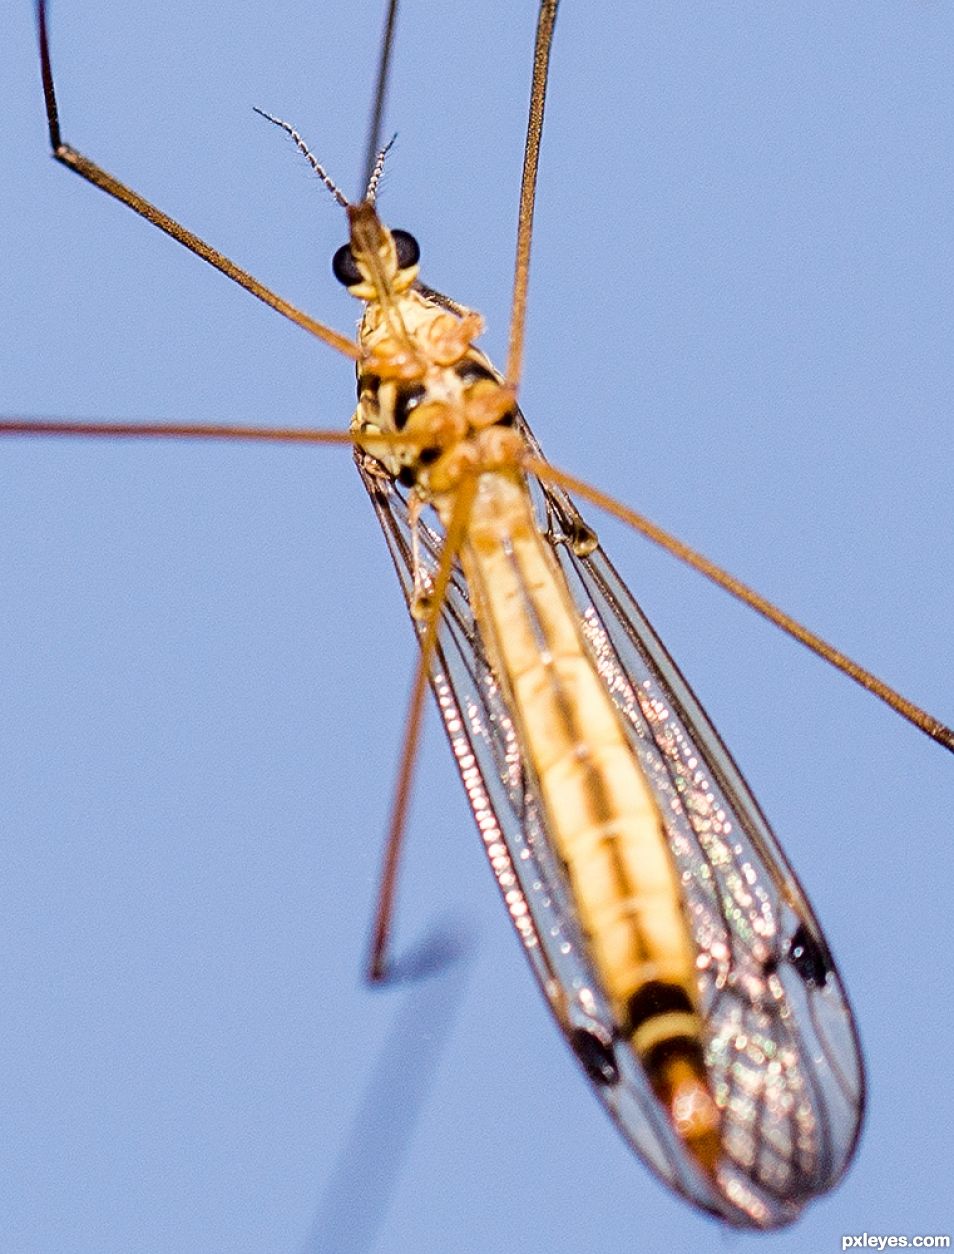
x=599, y=811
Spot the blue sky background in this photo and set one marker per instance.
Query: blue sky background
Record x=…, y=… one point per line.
x=740, y=323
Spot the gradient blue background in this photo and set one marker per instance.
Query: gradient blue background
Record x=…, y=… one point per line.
x=740, y=322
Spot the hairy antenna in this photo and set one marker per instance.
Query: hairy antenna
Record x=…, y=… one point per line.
x=308, y=155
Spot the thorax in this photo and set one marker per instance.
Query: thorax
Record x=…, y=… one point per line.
x=421, y=378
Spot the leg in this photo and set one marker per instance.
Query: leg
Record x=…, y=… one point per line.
x=384, y=913
x=88, y=170
x=901, y=705
x=528, y=187
x=171, y=430
x=196, y=431
x=373, y=150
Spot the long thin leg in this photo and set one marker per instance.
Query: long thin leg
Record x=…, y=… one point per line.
x=94, y=174
x=205, y=431
x=528, y=188
x=380, y=97
x=384, y=912
x=925, y=722
x=171, y=430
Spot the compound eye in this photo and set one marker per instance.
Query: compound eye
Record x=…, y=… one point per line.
x=345, y=268
x=408, y=249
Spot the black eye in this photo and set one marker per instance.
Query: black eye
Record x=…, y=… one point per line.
x=345, y=268
x=408, y=249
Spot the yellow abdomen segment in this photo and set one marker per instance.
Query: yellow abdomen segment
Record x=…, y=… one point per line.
x=603, y=818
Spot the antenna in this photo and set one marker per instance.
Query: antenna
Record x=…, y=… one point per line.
x=374, y=148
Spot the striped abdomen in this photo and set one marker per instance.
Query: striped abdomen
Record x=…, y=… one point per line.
x=603, y=818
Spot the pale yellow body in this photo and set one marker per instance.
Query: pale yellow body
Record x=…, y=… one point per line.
x=599, y=810
x=455, y=442
x=600, y=813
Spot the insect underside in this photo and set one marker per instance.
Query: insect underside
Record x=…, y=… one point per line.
x=669, y=935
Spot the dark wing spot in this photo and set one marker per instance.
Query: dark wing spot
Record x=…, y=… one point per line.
x=808, y=957
x=428, y=456
x=407, y=476
x=597, y=1056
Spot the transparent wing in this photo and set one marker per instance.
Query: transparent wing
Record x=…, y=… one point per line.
x=781, y=1046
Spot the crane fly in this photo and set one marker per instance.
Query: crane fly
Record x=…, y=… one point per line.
x=671, y=939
